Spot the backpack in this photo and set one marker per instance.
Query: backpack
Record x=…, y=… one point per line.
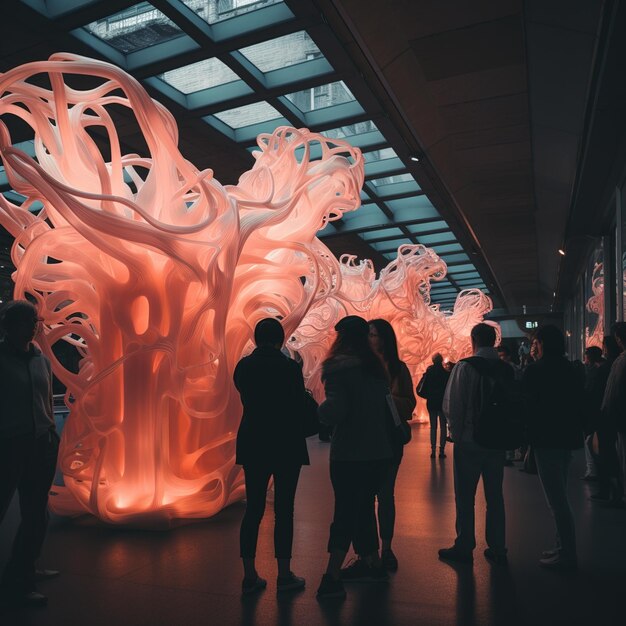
x=499, y=419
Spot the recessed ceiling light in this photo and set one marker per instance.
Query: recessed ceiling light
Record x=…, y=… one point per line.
x=415, y=158
x=561, y=252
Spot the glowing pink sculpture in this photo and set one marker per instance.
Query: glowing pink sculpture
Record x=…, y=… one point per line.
x=595, y=336
x=400, y=295
x=157, y=275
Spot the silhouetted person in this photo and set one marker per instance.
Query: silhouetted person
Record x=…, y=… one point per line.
x=610, y=491
x=360, y=452
x=270, y=443
x=432, y=387
x=595, y=382
x=28, y=447
x=471, y=461
x=383, y=341
x=614, y=402
x=554, y=391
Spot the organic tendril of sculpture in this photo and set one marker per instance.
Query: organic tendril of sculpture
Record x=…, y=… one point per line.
x=400, y=295
x=157, y=275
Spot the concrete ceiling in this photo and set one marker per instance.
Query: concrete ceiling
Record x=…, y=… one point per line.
x=494, y=93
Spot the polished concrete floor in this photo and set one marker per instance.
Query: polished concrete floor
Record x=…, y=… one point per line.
x=191, y=575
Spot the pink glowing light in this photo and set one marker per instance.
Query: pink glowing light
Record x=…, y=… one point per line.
x=157, y=275
x=595, y=336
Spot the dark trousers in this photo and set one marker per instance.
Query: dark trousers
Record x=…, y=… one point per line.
x=387, y=502
x=472, y=461
x=28, y=465
x=285, y=483
x=436, y=415
x=355, y=484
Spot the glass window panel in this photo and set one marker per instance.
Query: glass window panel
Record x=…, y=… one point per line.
x=416, y=229
x=198, y=76
x=454, y=258
x=320, y=97
x=248, y=115
x=383, y=232
x=390, y=245
x=282, y=52
x=214, y=11
x=391, y=180
x=379, y=155
x=351, y=130
x=429, y=240
x=447, y=248
x=138, y=27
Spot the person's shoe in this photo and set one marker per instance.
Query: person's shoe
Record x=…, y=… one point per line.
x=252, y=585
x=601, y=496
x=442, y=454
x=331, y=588
x=44, y=574
x=592, y=478
x=496, y=557
x=360, y=572
x=454, y=554
x=389, y=560
x=559, y=562
x=433, y=454
x=548, y=554
x=289, y=583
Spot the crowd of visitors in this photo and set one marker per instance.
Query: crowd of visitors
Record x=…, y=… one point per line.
x=546, y=408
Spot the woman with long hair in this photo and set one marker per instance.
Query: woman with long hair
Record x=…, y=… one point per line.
x=361, y=452
x=383, y=341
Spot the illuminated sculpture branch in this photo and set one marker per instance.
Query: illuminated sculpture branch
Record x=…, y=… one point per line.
x=595, y=336
x=157, y=275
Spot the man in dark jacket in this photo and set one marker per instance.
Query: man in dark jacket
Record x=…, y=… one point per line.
x=28, y=447
x=554, y=391
x=270, y=443
x=432, y=386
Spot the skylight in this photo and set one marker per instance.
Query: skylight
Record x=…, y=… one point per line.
x=138, y=27
x=198, y=76
x=321, y=97
x=281, y=52
x=215, y=11
x=248, y=115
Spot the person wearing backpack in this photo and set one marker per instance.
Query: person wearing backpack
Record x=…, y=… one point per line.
x=554, y=390
x=467, y=392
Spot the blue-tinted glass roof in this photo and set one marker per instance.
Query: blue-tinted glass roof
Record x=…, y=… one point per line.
x=248, y=66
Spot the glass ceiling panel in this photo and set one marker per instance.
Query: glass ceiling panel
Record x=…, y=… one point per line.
x=363, y=215
x=379, y=155
x=428, y=240
x=138, y=27
x=467, y=267
x=215, y=11
x=447, y=248
x=416, y=229
x=248, y=115
x=198, y=76
x=281, y=52
x=321, y=97
x=391, y=180
x=384, y=232
x=390, y=245
x=454, y=258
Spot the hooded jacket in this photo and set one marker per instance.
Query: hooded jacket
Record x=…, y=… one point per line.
x=356, y=406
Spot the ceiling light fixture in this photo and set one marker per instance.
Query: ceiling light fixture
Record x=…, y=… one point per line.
x=414, y=158
x=561, y=252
